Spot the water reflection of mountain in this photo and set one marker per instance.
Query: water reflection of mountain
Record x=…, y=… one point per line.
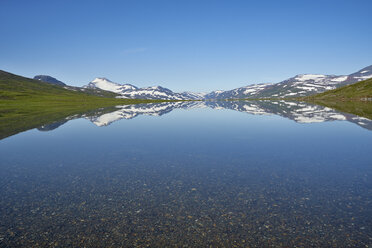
x=131, y=111
x=297, y=111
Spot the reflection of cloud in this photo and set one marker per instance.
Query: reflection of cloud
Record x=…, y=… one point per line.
x=134, y=50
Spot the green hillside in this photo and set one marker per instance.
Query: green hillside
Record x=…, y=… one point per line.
x=14, y=87
x=26, y=103
x=354, y=92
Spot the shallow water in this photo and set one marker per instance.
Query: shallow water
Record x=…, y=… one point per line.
x=190, y=174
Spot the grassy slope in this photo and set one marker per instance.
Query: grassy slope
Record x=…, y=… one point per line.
x=26, y=103
x=347, y=99
x=353, y=92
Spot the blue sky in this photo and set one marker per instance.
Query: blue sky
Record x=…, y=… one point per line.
x=184, y=45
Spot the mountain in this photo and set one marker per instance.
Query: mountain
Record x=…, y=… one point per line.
x=358, y=76
x=297, y=86
x=49, y=79
x=132, y=92
x=105, y=84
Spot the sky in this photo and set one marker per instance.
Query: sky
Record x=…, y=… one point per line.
x=185, y=45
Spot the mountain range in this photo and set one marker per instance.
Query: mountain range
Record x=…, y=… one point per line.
x=301, y=85
x=297, y=86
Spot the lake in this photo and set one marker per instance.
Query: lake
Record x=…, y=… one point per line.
x=192, y=174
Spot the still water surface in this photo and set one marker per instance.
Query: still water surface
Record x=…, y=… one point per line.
x=193, y=175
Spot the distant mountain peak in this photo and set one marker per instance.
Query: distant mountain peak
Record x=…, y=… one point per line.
x=106, y=84
x=99, y=79
x=49, y=79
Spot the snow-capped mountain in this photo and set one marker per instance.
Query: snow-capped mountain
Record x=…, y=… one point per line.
x=88, y=90
x=133, y=92
x=360, y=75
x=299, y=85
x=105, y=84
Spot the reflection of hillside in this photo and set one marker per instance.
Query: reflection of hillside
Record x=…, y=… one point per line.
x=98, y=112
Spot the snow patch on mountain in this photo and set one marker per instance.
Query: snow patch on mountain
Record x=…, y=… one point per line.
x=339, y=79
x=105, y=84
x=361, y=78
x=304, y=77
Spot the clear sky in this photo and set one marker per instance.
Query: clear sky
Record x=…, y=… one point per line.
x=184, y=45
